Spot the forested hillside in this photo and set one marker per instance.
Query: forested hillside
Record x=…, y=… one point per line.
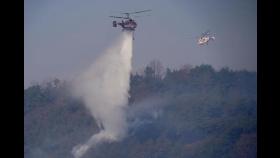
x=191, y=112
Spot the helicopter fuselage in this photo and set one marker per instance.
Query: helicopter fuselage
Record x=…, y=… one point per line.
x=128, y=25
x=204, y=40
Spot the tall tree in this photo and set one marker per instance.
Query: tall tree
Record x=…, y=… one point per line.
x=158, y=68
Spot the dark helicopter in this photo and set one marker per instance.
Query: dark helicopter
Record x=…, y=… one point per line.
x=127, y=24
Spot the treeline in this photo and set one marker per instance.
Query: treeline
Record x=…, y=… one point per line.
x=205, y=113
x=203, y=78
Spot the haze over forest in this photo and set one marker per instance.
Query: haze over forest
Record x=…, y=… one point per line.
x=194, y=112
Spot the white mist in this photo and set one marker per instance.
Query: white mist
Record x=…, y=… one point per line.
x=104, y=89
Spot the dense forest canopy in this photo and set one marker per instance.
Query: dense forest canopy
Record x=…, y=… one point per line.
x=193, y=112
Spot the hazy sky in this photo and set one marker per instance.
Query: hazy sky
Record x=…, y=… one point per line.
x=63, y=37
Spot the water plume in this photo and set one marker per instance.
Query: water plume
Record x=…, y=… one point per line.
x=104, y=89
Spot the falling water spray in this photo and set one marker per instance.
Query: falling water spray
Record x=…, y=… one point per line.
x=104, y=89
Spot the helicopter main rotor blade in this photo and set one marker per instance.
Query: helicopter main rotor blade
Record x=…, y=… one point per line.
x=136, y=12
x=141, y=11
x=207, y=32
x=118, y=17
x=137, y=16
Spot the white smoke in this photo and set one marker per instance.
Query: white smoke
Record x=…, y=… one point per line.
x=104, y=89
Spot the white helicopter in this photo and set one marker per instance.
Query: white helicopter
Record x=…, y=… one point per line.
x=205, y=38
